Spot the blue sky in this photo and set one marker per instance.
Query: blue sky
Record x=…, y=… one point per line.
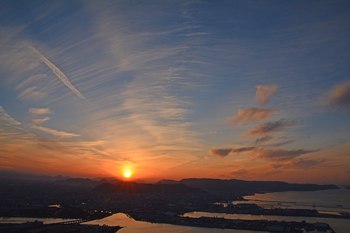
x=173, y=89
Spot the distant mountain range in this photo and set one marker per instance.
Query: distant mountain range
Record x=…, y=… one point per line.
x=242, y=187
x=226, y=187
x=30, y=195
x=221, y=189
x=132, y=187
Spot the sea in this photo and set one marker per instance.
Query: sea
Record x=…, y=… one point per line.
x=334, y=201
x=328, y=201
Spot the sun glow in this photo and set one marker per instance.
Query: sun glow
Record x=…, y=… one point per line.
x=127, y=173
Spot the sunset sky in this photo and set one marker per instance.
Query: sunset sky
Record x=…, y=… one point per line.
x=255, y=90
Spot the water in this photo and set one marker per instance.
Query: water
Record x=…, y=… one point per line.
x=132, y=226
x=24, y=220
x=328, y=201
x=338, y=225
x=334, y=200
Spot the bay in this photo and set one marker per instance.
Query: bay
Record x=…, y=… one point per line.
x=332, y=200
x=132, y=226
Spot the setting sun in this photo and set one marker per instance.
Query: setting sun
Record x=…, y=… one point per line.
x=127, y=173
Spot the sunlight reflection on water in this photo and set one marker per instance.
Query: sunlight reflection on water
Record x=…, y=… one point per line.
x=132, y=226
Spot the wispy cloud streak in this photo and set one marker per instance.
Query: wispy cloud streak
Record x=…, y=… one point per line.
x=39, y=111
x=340, y=95
x=59, y=74
x=271, y=127
x=264, y=92
x=250, y=114
x=54, y=132
x=5, y=117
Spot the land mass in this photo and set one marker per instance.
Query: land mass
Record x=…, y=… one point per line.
x=164, y=202
x=240, y=188
x=39, y=227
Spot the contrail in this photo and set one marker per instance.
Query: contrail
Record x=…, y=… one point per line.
x=59, y=74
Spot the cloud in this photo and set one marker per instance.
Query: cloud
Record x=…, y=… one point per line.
x=54, y=132
x=31, y=93
x=221, y=152
x=227, y=151
x=240, y=172
x=280, y=143
x=263, y=139
x=12, y=132
x=250, y=114
x=271, y=127
x=340, y=95
x=298, y=163
x=39, y=121
x=39, y=111
x=59, y=74
x=140, y=73
x=146, y=104
x=282, y=154
x=279, y=155
x=264, y=92
x=243, y=149
x=5, y=117
x=307, y=163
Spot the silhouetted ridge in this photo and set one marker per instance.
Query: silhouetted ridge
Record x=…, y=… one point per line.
x=241, y=187
x=146, y=188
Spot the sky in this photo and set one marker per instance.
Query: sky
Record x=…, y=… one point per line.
x=254, y=90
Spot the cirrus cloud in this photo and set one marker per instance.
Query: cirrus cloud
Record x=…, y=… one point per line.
x=250, y=114
x=54, y=132
x=264, y=92
x=221, y=152
x=58, y=73
x=226, y=151
x=270, y=127
x=31, y=93
x=279, y=154
x=340, y=95
x=263, y=139
x=5, y=117
x=298, y=163
x=39, y=111
x=39, y=121
x=273, y=154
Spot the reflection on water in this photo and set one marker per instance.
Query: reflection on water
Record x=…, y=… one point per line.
x=334, y=200
x=24, y=220
x=338, y=225
x=326, y=201
x=132, y=226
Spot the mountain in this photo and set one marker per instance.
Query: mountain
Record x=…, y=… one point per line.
x=235, y=187
x=133, y=187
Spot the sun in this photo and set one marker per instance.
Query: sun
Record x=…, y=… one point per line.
x=127, y=173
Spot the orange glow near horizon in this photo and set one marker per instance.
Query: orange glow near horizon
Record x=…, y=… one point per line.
x=127, y=173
